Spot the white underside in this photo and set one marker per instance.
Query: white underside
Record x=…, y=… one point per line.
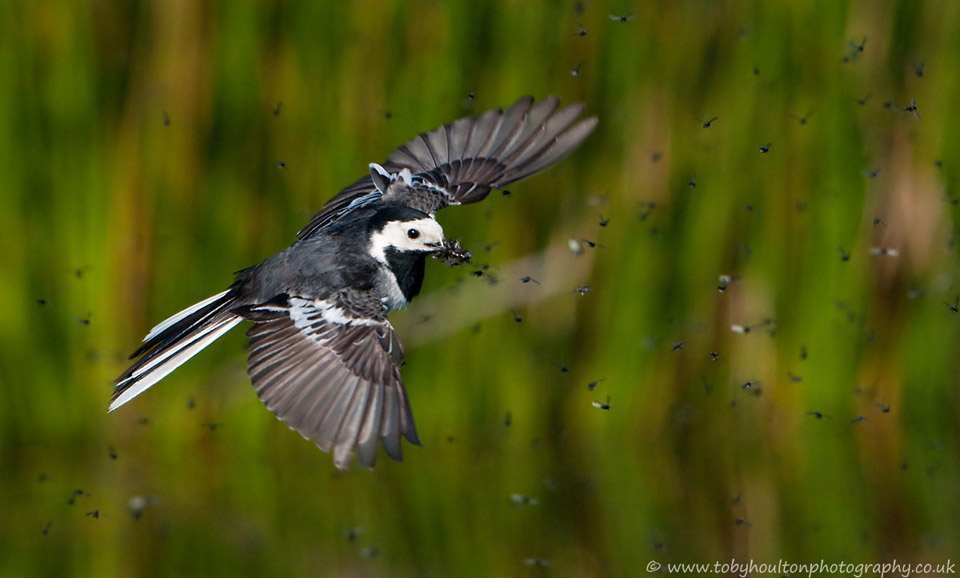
x=393, y=297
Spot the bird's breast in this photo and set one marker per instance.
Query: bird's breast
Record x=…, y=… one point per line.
x=391, y=293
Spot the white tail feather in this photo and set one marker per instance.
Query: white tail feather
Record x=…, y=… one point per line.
x=159, y=368
x=186, y=312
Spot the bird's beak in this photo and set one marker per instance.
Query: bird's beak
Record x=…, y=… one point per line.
x=434, y=245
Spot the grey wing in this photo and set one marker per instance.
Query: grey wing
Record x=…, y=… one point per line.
x=471, y=156
x=332, y=376
x=461, y=162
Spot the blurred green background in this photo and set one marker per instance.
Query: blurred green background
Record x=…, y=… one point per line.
x=150, y=149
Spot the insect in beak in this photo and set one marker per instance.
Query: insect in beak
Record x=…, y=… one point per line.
x=451, y=252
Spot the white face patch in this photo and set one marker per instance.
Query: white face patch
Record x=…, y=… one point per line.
x=421, y=235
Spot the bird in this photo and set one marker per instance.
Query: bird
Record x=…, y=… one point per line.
x=322, y=355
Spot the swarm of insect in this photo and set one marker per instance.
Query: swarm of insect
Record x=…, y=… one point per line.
x=452, y=253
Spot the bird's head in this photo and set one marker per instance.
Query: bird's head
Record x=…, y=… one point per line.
x=398, y=229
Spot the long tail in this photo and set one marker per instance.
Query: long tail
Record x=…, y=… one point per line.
x=171, y=343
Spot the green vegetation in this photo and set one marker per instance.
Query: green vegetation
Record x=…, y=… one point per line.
x=152, y=148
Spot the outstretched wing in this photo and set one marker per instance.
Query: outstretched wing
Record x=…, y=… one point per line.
x=331, y=371
x=461, y=162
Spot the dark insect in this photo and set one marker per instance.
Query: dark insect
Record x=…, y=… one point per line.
x=912, y=108
x=725, y=280
x=707, y=123
x=619, y=18
x=482, y=273
x=593, y=384
x=955, y=308
x=648, y=208
x=857, y=50
x=603, y=406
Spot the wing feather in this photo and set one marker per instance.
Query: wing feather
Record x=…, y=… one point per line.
x=333, y=376
x=461, y=162
x=482, y=132
x=369, y=436
x=390, y=424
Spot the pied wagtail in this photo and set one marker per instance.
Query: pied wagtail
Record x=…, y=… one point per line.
x=322, y=355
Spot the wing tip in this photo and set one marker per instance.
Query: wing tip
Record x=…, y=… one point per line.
x=591, y=121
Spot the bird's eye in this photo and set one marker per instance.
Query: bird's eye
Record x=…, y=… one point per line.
x=413, y=233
